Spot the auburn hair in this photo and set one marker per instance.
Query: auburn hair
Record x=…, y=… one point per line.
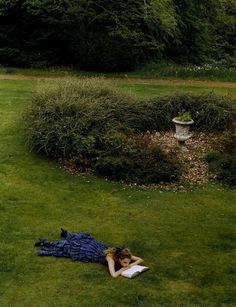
x=118, y=253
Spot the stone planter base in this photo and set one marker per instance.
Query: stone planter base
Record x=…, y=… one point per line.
x=182, y=132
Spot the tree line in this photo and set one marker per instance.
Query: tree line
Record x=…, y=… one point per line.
x=115, y=35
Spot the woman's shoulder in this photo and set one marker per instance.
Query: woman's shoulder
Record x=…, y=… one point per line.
x=109, y=257
x=110, y=260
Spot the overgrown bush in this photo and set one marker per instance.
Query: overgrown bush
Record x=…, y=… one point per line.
x=223, y=163
x=210, y=112
x=142, y=166
x=126, y=159
x=67, y=116
x=97, y=126
x=90, y=122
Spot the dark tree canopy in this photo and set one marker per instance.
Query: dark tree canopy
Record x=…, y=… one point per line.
x=114, y=35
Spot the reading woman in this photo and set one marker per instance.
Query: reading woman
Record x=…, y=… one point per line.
x=83, y=247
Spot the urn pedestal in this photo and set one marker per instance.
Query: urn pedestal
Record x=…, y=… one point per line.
x=182, y=133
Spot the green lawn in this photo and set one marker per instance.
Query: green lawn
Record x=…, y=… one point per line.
x=187, y=238
x=150, y=90
x=162, y=70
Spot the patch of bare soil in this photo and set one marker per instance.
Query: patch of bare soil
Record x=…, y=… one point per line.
x=194, y=165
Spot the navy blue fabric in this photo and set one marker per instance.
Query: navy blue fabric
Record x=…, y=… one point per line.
x=77, y=246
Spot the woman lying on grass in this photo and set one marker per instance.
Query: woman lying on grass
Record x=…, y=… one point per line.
x=83, y=247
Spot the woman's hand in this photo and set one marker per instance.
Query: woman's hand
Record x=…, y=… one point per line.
x=128, y=266
x=137, y=260
x=111, y=265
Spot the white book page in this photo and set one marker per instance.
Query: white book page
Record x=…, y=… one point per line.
x=134, y=269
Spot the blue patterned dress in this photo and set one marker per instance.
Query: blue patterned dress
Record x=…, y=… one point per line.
x=77, y=246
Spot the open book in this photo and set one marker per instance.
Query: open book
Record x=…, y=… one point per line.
x=134, y=271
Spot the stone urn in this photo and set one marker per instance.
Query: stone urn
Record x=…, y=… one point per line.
x=182, y=133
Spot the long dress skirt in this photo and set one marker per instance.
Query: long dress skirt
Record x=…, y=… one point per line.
x=77, y=246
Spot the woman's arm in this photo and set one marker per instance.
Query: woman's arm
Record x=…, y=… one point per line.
x=137, y=260
x=111, y=267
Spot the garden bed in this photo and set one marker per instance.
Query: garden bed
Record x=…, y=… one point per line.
x=195, y=168
x=91, y=127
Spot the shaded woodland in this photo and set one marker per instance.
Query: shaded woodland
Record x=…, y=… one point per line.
x=107, y=35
